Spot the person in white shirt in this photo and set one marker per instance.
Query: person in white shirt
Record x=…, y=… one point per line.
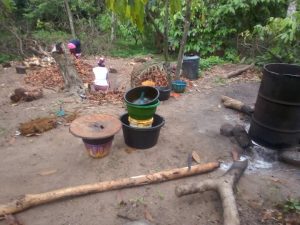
x=101, y=82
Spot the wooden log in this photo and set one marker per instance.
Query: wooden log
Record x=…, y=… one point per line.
x=237, y=105
x=30, y=200
x=239, y=71
x=224, y=185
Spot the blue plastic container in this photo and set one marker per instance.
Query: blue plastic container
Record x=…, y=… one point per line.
x=178, y=86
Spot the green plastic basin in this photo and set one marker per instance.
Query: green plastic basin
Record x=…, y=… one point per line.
x=142, y=112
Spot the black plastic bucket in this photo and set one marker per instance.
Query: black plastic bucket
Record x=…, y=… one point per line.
x=141, y=138
x=190, y=67
x=164, y=93
x=21, y=69
x=276, y=119
x=145, y=95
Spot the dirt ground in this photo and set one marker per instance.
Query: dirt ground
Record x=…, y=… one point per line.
x=56, y=159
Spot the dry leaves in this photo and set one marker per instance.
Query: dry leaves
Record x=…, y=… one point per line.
x=151, y=71
x=50, y=77
x=114, y=97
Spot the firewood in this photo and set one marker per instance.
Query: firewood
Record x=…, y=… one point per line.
x=237, y=105
x=30, y=200
x=224, y=185
x=239, y=71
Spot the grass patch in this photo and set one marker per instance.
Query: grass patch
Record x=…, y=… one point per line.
x=211, y=61
x=129, y=49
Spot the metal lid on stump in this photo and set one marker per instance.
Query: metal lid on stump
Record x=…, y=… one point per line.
x=96, y=126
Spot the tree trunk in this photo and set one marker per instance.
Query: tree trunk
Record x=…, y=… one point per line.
x=70, y=18
x=113, y=27
x=166, y=28
x=31, y=200
x=68, y=70
x=166, y=42
x=184, y=38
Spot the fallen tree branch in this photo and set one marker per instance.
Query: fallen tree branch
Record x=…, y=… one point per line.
x=239, y=71
x=224, y=185
x=39, y=51
x=30, y=200
x=237, y=105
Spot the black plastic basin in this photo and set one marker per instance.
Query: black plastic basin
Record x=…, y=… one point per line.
x=141, y=138
x=164, y=93
x=143, y=95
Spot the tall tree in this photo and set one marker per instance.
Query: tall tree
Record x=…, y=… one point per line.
x=70, y=16
x=113, y=27
x=184, y=37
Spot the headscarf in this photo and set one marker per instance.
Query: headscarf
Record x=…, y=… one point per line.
x=101, y=62
x=71, y=46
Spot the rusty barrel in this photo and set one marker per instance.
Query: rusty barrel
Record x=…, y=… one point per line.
x=276, y=119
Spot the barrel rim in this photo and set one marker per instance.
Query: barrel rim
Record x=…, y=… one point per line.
x=278, y=74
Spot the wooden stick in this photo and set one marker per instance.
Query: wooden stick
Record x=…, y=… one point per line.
x=224, y=185
x=30, y=200
x=237, y=105
x=239, y=71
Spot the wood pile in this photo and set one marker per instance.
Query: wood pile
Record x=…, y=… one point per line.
x=39, y=62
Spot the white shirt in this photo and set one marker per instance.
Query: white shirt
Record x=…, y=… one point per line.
x=100, y=76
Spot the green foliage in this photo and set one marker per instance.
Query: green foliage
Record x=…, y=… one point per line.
x=215, y=24
x=132, y=9
x=208, y=62
x=127, y=49
x=281, y=36
x=6, y=58
x=292, y=205
x=51, y=12
x=50, y=37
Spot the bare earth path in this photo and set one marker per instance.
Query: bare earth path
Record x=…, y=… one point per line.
x=56, y=159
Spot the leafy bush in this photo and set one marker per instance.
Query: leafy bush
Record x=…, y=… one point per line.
x=208, y=62
x=292, y=205
x=278, y=40
x=50, y=37
x=129, y=49
x=6, y=58
x=216, y=24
